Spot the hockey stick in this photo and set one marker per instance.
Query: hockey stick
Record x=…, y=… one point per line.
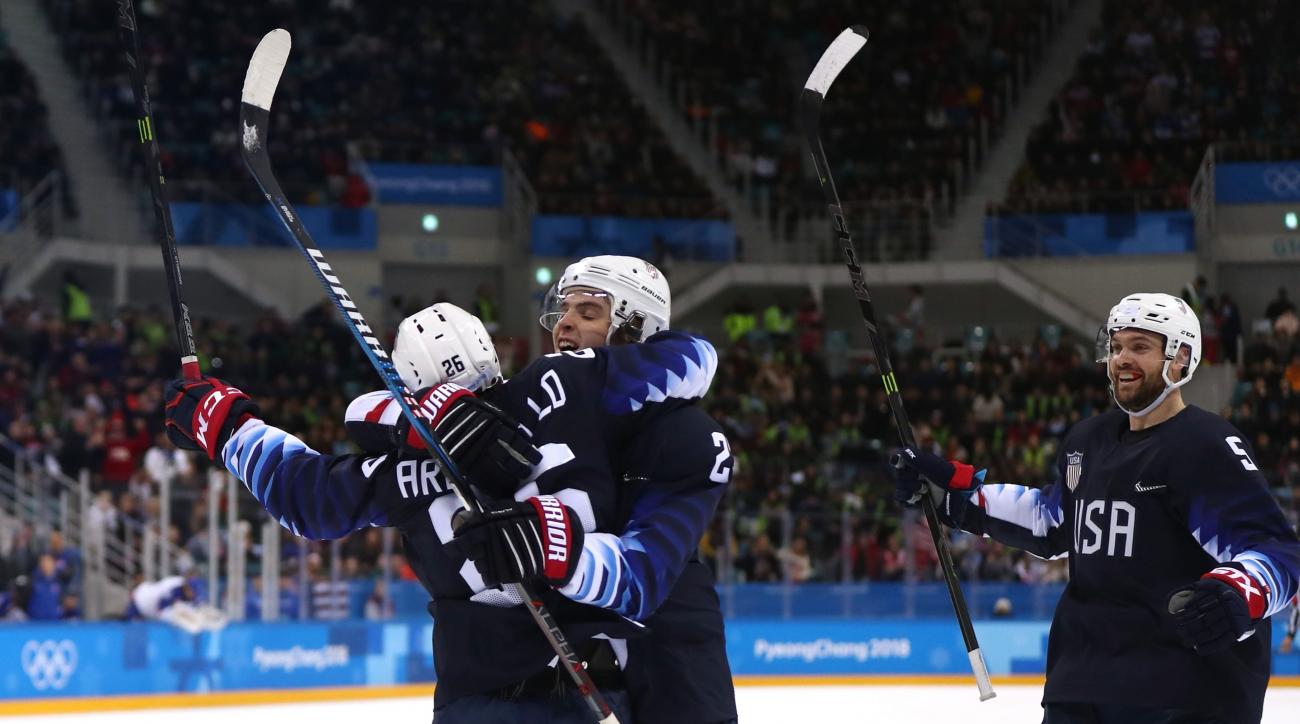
x=153, y=168
x=264, y=72
x=838, y=55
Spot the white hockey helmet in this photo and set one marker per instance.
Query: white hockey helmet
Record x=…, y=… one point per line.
x=1165, y=315
x=444, y=343
x=640, y=301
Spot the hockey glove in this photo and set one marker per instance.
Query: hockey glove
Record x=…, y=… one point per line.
x=486, y=444
x=949, y=483
x=1219, y=610
x=537, y=538
x=202, y=414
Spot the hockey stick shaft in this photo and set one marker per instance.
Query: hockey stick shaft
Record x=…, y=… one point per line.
x=264, y=72
x=129, y=31
x=840, y=52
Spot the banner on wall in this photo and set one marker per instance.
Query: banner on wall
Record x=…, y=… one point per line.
x=578, y=236
x=418, y=183
x=332, y=227
x=1147, y=232
x=1257, y=183
x=96, y=659
x=99, y=659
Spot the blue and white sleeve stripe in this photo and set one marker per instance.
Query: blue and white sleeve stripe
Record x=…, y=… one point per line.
x=1023, y=506
x=670, y=365
x=1234, y=518
x=1281, y=584
x=633, y=573
x=1021, y=516
x=315, y=496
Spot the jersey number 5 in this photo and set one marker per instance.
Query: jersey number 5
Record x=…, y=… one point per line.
x=1235, y=443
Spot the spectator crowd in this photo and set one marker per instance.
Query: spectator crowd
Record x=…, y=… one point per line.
x=27, y=145
x=1156, y=85
x=905, y=126
x=401, y=82
x=811, y=499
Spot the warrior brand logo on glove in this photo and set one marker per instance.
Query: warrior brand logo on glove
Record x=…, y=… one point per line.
x=552, y=513
x=536, y=538
x=434, y=403
x=438, y=397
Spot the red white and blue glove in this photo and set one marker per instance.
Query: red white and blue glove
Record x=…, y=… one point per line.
x=1220, y=609
x=539, y=538
x=202, y=414
x=486, y=444
x=948, y=482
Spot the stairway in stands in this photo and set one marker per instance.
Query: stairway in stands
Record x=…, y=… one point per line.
x=108, y=209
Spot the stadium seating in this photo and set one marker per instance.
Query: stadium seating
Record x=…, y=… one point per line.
x=28, y=149
x=808, y=421
x=905, y=127
x=1158, y=84
x=414, y=82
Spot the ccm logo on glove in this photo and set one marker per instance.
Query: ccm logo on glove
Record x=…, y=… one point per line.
x=202, y=414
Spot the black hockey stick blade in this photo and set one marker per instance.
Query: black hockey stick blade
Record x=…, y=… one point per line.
x=130, y=33
x=833, y=60
x=264, y=71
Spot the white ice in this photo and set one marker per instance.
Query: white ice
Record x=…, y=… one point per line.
x=877, y=704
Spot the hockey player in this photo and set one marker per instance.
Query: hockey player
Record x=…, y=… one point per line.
x=1178, y=554
x=491, y=660
x=172, y=600
x=667, y=480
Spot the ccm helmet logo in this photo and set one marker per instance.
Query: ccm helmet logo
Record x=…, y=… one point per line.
x=49, y=664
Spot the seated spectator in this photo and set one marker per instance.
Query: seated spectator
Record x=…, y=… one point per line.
x=430, y=83
x=760, y=563
x=67, y=561
x=47, y=591
x=1156, y=85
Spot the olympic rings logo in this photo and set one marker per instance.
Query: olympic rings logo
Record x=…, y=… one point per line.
x=1283, y=181
x=49, y=664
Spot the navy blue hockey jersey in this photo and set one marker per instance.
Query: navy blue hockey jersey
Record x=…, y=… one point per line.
x=589, y=411
x=1140, y=515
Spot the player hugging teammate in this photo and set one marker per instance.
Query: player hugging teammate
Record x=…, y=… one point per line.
x=598, y=473
x=1178, y=553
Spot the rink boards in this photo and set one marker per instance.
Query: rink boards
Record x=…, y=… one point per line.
x=44, y=662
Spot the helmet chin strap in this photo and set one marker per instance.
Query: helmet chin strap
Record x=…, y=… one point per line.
x=1169, y=387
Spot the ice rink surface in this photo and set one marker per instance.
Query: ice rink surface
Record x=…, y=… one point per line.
x=877, y=704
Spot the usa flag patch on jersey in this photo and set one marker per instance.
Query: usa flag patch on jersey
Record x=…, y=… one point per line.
x=1073, y=469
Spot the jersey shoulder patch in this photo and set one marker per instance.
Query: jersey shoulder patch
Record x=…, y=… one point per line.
x=668, y=365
